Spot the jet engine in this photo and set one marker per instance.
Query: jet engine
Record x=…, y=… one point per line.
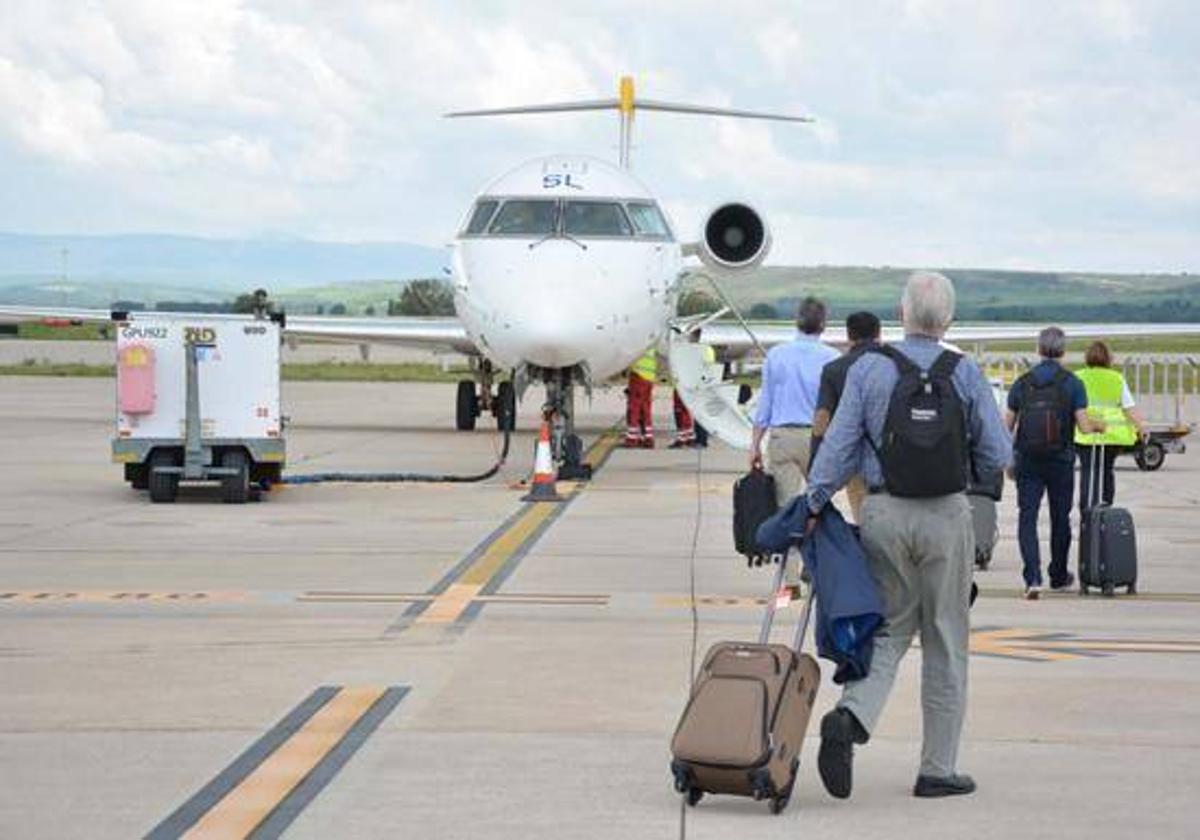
x=735, y=237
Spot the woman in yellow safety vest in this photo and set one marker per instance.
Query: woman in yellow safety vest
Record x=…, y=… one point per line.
x=1110, y=401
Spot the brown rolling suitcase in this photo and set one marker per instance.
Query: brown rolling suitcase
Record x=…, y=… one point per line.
x=743, y=727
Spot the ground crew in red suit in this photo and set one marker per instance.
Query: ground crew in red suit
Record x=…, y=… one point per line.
x=639, y=406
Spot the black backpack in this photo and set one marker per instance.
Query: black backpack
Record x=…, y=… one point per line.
x=924, y=450
x=753, y=503
x=1040, y=430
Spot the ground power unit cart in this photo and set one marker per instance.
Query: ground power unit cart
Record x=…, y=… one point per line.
x=198, y=401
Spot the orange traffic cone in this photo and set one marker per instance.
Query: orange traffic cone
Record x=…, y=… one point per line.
x=543, y=489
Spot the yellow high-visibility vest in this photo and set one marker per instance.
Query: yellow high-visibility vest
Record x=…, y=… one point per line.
x=647, y=366
x=1104, y=387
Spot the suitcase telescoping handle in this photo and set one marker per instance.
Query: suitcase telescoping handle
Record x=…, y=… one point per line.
x=764, y=634
x=1097, y=467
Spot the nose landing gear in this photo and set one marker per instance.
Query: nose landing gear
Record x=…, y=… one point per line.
x=565, y=444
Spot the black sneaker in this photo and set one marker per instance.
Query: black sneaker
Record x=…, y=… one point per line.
x=932, y=787
x=1064, y=584
x=840, y=731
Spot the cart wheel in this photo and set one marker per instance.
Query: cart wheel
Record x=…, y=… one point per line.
x=1151, y=456
x=235, y=489
x=163, y=487
x=506, y=407
x=466, y=407
x=694, y=795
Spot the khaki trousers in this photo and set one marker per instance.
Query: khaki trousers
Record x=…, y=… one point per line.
x=920, y=553
x=788, y=450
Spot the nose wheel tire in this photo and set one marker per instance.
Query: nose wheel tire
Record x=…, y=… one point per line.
x=466, y=406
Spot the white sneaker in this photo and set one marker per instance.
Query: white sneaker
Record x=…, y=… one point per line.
x=1032, y=593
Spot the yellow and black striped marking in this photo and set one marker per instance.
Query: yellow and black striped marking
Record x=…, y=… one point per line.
x=265, y=788
x=462, y=592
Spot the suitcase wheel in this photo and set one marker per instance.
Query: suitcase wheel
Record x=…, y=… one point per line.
x=1108, y=591
x=1132, y=589
x=1083, y=590
x=694, y=795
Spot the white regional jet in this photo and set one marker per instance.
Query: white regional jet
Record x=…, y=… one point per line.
x=566, y=269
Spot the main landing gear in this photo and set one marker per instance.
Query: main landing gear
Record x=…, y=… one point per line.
x=474, y=399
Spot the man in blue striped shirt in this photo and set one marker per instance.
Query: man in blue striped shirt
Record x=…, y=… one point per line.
x=920, y=549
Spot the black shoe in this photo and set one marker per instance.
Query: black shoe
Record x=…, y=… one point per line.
x=840, y=731
x=1064, y=584
x=931, y=787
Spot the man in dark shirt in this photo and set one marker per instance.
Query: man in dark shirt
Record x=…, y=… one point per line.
x=862, y=331
x=1044, y=457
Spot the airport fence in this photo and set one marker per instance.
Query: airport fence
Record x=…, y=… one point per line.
x=1166, y=386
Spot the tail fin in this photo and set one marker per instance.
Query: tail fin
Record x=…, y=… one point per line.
x=626, y=105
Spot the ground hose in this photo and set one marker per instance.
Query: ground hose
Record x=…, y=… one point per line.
x=402, y=477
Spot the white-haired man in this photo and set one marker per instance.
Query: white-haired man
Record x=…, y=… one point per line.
x=912, y=419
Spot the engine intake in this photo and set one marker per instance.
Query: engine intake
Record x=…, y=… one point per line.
x=735, y=237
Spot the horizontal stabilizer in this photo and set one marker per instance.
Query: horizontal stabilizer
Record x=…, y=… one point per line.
x=556, y=107
x=682, y=108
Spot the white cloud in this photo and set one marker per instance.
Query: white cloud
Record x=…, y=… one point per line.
x=998, y=132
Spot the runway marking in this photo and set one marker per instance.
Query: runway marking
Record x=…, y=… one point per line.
x=1015, y=643
x=463, y=592
x=267, y=787
x=85, y=596
x=550, y=599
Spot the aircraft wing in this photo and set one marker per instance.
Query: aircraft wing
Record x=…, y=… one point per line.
x=427, y=333
x=733, y=341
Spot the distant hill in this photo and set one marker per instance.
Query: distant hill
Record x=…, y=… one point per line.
x=153, y=267
x=307, y=276
x=983, y=294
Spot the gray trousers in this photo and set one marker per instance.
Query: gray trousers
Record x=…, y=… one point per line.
x=920, y=552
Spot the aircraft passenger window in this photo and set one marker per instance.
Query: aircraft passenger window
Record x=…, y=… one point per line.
x=481, y=216
x=534, y=218
x=648, y=220
x=595, y=218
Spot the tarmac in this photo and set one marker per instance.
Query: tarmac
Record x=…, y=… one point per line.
x=359, y=661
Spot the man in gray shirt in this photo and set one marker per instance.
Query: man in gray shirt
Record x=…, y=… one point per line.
x=920, y=549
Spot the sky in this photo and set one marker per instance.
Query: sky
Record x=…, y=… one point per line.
x=964, y=133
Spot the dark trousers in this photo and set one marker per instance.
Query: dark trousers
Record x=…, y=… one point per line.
x=1056, y=479
x=1087, y=475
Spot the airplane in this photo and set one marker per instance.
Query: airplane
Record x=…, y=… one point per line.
x=565, y=269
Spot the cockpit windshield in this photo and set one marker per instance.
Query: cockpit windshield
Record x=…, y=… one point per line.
x=578, y=218
x=528, y=217
x=595, y=218
x=648, y=220
x=480, y=216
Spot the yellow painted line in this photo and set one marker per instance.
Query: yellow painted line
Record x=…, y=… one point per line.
x=450, y=604
x=241, y=810
x=1014, y=643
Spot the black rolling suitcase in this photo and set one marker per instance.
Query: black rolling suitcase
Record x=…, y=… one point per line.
x=1107, y=542
x=753, y=503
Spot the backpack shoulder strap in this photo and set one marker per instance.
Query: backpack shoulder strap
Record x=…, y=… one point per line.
x=943, y=366
x=903, y=363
